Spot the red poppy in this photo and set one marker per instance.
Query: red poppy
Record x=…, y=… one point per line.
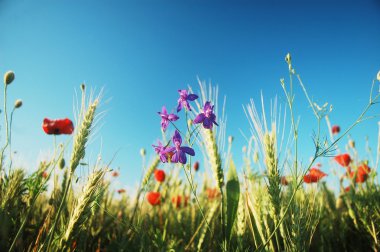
x=284, y=181
x=153, y=198
x=44, y=174
x=159, y=175
x=115, y=174
x=335, y=129
x=176, y=200
x=58, y=127
x=343, y=159
x=362, y=173
x=314, y=176
x=120, y=191
x=212, y=193
x=347, y=189
x=196, y=166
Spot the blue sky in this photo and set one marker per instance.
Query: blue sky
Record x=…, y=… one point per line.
x=142, y=52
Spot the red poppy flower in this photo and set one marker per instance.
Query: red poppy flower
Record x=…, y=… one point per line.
x=196, y=166
x=159, y=175
x=314, y=176
x=347, y=189
x=284, y=181
x=120, y=191
x=362, y=173
x=153, y=198
x=212, y=193
x=176, y=200
x=44, y=174
x=115, y=174
x=335, y=129
x=58, y=127
x=343, y=159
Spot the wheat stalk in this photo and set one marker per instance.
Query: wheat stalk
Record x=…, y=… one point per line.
x=83, y=207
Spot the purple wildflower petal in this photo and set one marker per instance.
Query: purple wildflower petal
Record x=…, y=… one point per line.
x=182, y=157
x=177, y=139
x=179, y=107
x=207, y=123
x=164, y=111
x=173, y=117
x=188, y=150
x=175, y=158
x=164, y=124
x=169, y=149
x=163, y=158
x=207, y=106
x=199, y=118
x=192, y=97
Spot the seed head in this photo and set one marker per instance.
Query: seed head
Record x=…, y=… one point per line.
x=142, y=152
x=18, y=103
x=9, y=77
x=62, y=163
x=378, y=76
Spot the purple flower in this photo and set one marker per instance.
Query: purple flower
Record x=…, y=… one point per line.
x=184, y=99
x=165, y=118
x=207, y=117
x=181, y=151
x=165, y=152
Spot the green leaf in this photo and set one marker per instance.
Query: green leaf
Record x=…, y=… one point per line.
x=233, y=194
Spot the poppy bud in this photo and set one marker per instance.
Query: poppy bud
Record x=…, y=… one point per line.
x=288, y=58
x=351, y=143
x=335, y=129
x=378, y=76
x=18, y=103
x=196, y=166
x=9, y=77
x=83, y=86
x=62, y=163
x=142, y=152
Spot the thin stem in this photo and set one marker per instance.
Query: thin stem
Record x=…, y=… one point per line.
x=6, y=126
x=196, y=199
x=67, y=187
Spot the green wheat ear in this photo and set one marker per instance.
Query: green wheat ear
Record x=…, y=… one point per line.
x=82, y=210
x=82, y=136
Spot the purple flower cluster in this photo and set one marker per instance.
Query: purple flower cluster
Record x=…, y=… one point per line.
x=177, y=154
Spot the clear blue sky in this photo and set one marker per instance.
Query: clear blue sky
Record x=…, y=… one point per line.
x=141, y=52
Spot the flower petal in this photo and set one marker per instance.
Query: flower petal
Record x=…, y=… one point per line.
x=188, y=150
x=179, y=107
x=192, y=97
x=177, y=139
x=173, y=117
x=199, y=118
x=164, y=124
x=207, y=123
x=175, y=158
x=164, y=111
x=182, y=157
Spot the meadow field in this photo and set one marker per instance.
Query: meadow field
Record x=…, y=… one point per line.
x=192, y=196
